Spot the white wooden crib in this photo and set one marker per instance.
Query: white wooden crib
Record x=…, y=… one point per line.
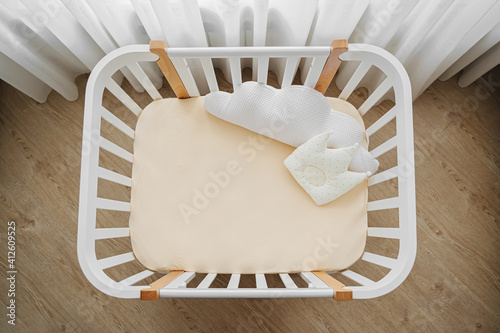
x=173, y=64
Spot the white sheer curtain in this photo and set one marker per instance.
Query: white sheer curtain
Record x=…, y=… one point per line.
x=45, y=44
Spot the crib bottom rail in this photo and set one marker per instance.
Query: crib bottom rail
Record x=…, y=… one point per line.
x=174, y=285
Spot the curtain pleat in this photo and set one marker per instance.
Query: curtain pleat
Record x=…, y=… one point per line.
x=44, y=45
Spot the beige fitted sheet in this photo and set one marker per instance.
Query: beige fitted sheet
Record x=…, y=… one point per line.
x=252, y=216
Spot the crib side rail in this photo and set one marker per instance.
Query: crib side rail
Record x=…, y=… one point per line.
x=403, y=171
x=132, y=57
x=182, y=57
x=93, y=143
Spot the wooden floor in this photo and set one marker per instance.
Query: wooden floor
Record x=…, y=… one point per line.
x=454, y=285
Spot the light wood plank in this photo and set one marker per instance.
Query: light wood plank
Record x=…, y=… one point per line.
x=158, y=47
x=341, y=294
x=332, y=64
x=153, y=293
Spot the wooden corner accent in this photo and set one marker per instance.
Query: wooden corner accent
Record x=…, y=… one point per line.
x=158, y=47
x=153, y=293
x=341, y=294
x=332, y=64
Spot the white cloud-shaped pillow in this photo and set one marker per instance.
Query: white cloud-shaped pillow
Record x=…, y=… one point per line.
x=322, y=172
x=291, y=115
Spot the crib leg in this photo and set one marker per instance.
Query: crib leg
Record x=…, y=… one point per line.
x=153, y=293
x=341, y=294
x=158, y=47
x=339, y=46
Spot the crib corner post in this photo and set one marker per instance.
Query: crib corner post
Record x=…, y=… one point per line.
x=332, y=64
x=153, y=293
x=158, y=47
x=341, y=294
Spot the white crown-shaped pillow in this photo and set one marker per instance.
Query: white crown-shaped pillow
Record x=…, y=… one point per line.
x=322, y=172
x=291, y=115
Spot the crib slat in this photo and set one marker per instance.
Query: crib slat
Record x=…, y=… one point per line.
x=383, y=204
x=382, y=121
x=263, y=66
x=383, y=176
x=260, y=280
x=144, y=80
x=290, y=69
x=353, y=82
x=234, y=281
x=235, y=66
x=182, y=69
x=123, y=97
x=115, y=260
x=109, y=204
x=181, y=281
x=287, y=281
x=113, y=177
x=116, y=122
x=358, y=278
x=115, y=149
x=385, y=147
x=136, y=278
x=381, y=90
x=393, y=233
x=312, y=280
x=315, y=71
x=106, y=233
x=208, y=69
x=379, y=260
x=207, y=281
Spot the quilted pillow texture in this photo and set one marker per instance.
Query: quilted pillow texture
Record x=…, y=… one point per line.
x=291, y=115
x=322, y=172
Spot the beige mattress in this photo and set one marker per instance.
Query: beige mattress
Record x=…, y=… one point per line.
x=212, y=197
